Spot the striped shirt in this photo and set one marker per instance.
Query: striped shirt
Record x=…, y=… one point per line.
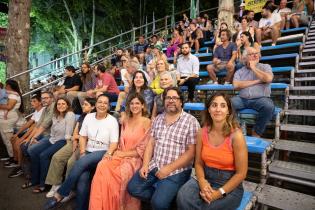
x=171, y=141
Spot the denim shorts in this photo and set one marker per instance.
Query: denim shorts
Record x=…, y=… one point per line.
x=188, y=197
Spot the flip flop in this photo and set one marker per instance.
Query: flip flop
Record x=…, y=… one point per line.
x=38, y=190
x=26, y=185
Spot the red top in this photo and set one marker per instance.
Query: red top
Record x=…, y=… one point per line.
x=219, y=157
x=107, y=79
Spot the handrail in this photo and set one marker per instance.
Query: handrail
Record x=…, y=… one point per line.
x=104, y=41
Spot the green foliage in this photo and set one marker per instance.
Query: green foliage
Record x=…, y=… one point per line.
x=3, y=20
x=2, y=72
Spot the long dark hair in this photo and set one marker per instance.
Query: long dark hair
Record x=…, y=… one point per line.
x=56, y=112
x=14, y=85
x=145, y=85
x=231, y=121
x=249, y=36
x=86, y=76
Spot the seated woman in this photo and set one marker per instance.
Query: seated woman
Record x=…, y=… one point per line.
x=166, y=81
x=63, y=122
x=98, y=139
x=173, y=46
x=161, y=66
x=10, y=112
x=68, y=154
x=140, y=85
x=110, y=181
x=220, y=162
x=299, y=13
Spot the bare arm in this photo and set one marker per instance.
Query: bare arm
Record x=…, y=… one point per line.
x=148, y=152
x=74, y=88
x=11, y=103
x=199, y=164
x=28, y=124
x=154, y=111
x=82, y=143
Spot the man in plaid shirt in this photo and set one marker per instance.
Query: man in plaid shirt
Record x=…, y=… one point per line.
x=169, y=154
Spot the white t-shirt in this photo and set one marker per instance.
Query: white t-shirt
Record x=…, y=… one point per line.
x=16, y=107
x=284, y=10
x=124, y=79
x=37, y=114
x=275, y=18
x=100, y=133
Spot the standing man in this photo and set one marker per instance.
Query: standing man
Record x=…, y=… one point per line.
x=188, y=69
x=169, y=154
x=253, y=82
x=223, y=58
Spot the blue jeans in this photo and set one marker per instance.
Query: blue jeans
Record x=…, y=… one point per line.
x=80, y=177
x=40, y=156
x=264, y=106
x=160, y=192
x=188, y=197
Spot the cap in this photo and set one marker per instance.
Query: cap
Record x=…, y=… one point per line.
x=159, y=47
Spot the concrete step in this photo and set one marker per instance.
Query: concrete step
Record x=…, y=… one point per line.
x=285, y=199
x=300, y=112
x=303, y=71
x=309, y=46
x=312, y=38
x=302, y=79
x=291, y=169
x=297, y=128
x=295, y=146
x=308, y=50
x=309, y=42
x=302, y=88
x=301, y=97
x=307, y=63
x=308, y=58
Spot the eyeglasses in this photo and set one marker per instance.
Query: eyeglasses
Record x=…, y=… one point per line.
x=45, y=98
x=169, y=98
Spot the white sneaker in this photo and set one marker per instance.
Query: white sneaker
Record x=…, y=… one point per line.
x=52, y=191
x=68, y=198
x=227, y=83
x=216, y=83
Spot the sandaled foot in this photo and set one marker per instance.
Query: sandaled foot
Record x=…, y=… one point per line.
x=26, y=185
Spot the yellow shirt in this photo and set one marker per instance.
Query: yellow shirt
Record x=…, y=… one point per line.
x=155, y=85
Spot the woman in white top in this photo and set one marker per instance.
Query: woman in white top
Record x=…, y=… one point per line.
x=98, y=139
x=10, y=113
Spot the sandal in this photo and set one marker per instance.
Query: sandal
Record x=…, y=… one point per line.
x=39, y=189
x=26, y=185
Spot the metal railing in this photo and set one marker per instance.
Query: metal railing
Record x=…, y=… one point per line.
x=105, y=52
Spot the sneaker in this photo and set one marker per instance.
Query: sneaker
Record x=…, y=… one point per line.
x=210, y=82
x=15, y=172
x=68, y=198
x=11, y=163
x=4, y=158
x=52, y=191
x=216, y=83
x=227, y=83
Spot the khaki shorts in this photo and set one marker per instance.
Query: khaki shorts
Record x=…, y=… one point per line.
x=220, y=66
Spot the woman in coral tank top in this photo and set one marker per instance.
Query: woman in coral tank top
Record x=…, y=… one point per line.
x=220, y=162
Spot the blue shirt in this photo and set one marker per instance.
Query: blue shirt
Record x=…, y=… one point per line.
x=225, y=54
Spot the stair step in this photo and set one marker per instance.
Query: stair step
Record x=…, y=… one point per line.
x=309, y=46
x=307, y=63
x=295, y=146
x=297, y=128
x=300, y=112
x=309, y=42
x=285, y=199
x=311, y=34
x=301, y=97
x=303, y=71
x=308, y=50
x=302, y=88
x=308, y=58
x=301, y=79
x=293, y=169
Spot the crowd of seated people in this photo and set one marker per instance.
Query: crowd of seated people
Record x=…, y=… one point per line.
x=144, y=148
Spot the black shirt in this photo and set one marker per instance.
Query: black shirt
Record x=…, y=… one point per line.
x=70, y=82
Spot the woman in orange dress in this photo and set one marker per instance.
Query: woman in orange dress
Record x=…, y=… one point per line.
x=110, y=181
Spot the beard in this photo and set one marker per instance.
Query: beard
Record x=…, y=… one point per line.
x=185, y=53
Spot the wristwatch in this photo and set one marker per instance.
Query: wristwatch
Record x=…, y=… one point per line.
x=223, y=193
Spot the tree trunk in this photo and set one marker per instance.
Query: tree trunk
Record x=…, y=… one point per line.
x=225, y=13
x=92, y=33
x=17, y=41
